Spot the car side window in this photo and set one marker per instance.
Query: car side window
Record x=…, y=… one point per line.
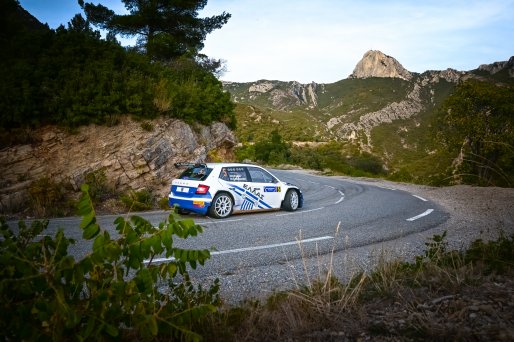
x=234, y=174
x=224, y=174
x=261, y=176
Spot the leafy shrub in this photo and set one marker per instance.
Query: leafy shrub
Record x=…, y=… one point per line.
x=475, y=123
x=46, y=198
x=138, y=200
x=272, y=151
x=367, y=163
x=334, y=156
x=497, y=256
x=99, y=190
x=245, y=152
x=147, y=126
x=112, y=292
x=163, y=203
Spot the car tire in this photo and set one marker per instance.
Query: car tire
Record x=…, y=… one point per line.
x=291, y=200
x=221, y=206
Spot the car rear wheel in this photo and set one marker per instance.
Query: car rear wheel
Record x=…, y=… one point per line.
x=291, y=200
x=221, y=206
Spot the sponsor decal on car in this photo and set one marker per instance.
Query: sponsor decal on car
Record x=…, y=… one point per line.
x=253, y=191
x=251, y=198
x=271, y=189
x=198, y=204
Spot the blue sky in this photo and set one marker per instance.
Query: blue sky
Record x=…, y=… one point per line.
x=323, y=40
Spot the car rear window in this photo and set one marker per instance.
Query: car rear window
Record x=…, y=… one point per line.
x=199, y=173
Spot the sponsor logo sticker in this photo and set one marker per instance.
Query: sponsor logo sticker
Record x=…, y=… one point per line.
x=271, y=189
x=198, y=204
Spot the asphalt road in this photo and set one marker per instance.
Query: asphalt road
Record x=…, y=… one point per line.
x=337, y=214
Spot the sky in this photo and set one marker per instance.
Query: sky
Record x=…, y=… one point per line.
x=323, y=40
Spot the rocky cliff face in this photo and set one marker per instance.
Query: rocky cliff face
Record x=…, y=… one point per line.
x=377, y=64
x=130, y=156
x=345, y=111
x=279, y=95
x=499, y=66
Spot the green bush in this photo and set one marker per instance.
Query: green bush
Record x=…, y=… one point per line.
x=147, y=126
x=273, y=150
x=336, y=157
x=138, y=200
x=73, y=77
x=99, y=189
x=112, y=292
x=163, y=203
x=46, y=198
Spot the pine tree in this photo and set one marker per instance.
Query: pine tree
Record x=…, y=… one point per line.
x=165, y=29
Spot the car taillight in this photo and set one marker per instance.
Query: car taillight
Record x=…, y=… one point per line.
x=202, y=189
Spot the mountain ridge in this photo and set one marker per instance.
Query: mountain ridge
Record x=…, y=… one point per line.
x=388, y=116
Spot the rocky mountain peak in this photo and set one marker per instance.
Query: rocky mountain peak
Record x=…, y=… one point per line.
x=374, y=63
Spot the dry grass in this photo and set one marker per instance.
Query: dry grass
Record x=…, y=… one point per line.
x=442, y=296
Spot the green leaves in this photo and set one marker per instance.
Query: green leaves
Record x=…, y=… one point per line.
x=85, y=208
x=476, y=124
x=115, y=291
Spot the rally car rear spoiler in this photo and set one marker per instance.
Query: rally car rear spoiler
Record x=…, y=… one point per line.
x=185, y=165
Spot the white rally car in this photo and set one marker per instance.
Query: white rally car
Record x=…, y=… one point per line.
x=220, y=189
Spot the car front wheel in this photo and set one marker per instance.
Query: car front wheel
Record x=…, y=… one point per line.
x=291, y=200
x=221, y=206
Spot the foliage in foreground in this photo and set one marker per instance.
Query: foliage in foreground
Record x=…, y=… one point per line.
x=112, y=292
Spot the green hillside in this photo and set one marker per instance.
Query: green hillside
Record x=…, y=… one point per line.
x=390, y=120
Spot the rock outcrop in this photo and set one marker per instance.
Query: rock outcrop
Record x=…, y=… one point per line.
x=499, y=66
x=377, y=64
x=130, y=156
x=405, y=109
x=284, y=95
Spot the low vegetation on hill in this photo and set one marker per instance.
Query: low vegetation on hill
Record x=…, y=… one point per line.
x=428, y=130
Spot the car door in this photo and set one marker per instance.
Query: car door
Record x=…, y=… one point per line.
x=233, y=179
x=266, y=186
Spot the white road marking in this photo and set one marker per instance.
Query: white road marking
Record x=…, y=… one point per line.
x=275, y=245
x=421, y=198
x=219, y=221
x=299, y=212
x=256, y=248
x=427, y=212
x=341, y=199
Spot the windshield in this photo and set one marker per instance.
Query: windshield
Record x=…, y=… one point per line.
x=199, y=173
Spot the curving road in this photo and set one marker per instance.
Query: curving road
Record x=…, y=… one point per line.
x=337, y=214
